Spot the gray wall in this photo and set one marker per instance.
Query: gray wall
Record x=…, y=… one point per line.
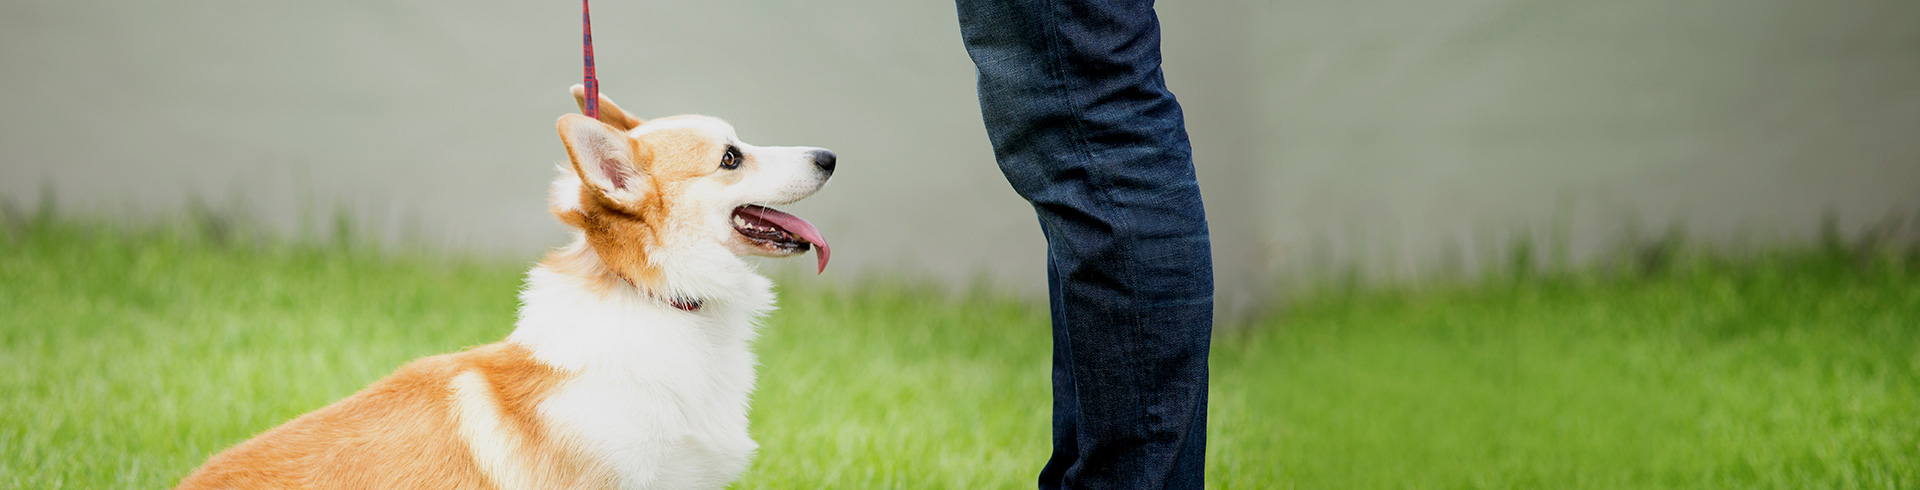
x=1388, y=133
x=1397, y=129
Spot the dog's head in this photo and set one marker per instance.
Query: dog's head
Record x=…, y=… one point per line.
x=642, y=191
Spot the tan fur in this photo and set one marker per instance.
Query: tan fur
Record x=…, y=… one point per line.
x=582, y=263
x=620, y=234
x=694, y=154
x=620, y=237
x=402, y=433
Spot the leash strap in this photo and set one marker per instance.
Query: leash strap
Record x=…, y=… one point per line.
x=586, y=49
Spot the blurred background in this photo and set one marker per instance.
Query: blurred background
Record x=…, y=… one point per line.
x=1599, y=245
x=1393, y=137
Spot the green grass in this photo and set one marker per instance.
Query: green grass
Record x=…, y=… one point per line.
x=132, y=356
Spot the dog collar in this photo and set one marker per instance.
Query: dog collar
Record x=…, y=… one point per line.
x=684, y=304
x=688, y=305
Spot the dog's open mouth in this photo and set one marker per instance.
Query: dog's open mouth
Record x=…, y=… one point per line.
x=779, y=232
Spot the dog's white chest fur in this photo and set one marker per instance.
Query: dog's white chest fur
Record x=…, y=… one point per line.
x=658, y=396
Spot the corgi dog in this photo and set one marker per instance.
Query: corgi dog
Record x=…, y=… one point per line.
x=629, y=366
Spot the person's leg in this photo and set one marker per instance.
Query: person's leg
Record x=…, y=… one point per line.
x=1065, y=406
x=1084, y=128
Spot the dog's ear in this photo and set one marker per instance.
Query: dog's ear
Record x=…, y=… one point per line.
x=609, y=112
x=607, y=161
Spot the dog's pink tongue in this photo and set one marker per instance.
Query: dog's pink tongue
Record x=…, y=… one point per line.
x=796, y=226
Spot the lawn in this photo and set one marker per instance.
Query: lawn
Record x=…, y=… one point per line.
x=131, y=356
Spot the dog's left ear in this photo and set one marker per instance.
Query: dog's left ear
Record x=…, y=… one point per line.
x=610, y=113
x=608, y=162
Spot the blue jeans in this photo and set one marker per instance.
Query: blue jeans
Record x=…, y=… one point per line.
x=1084, y=128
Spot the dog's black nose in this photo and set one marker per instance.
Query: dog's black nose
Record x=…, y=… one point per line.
x=824, y=160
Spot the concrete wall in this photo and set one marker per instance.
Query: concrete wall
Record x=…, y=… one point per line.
x=1388, y=133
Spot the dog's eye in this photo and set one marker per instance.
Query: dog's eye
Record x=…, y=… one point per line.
x=730, y=160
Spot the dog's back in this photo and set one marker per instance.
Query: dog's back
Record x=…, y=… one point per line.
x=405, y=431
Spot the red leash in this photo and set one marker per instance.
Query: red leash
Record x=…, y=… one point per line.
x=586, y=49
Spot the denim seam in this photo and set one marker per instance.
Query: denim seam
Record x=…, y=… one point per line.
x=1129, y=273
x=1075, y=369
